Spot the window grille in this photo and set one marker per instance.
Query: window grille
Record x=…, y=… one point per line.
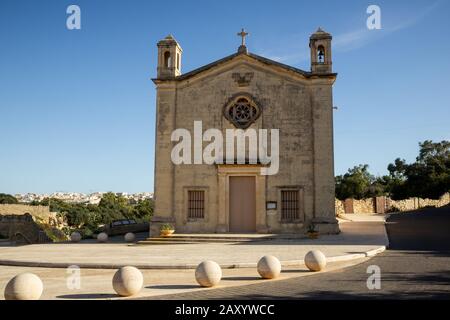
x=196, y=204
x=289, y=205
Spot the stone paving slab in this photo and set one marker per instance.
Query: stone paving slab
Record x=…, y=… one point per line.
x=363, y=217
x=97, y=283
x=357, y=240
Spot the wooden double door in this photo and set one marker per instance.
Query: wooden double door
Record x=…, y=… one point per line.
x=242, y=204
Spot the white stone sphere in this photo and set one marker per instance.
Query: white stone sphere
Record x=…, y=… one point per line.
x=130, y=237
x=315, y=260
x=24, y=286
x=75, y=237
x=208, y=274
x=102, y=237
x=269, y=267
x=127, y=281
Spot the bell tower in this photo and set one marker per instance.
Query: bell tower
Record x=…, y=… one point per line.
x=169, y=58
x=320, y=46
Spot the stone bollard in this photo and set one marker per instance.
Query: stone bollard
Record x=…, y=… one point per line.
x=130, y=237
x=24, y=286
x=102, y=237
x=208, y=274
x=75, y=237
x=127, y=281
x=269, y=267
x=315, y=260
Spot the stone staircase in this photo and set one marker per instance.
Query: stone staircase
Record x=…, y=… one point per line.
x=216, y=238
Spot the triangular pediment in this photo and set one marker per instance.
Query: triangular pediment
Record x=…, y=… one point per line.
x=249, y=59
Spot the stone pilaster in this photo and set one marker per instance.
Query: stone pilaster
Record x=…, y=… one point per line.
x=222, y=224
x=164, y=167
x=322, y=110
x=261, y=216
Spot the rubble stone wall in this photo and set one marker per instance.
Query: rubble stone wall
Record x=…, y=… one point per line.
x=369, y=205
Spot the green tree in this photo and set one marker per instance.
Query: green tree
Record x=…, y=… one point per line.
x=355, y=183
x=427, y=177
x=144, y=208
x=115, y=207
x=7, y=199
x=358, y=183
x=87, y=218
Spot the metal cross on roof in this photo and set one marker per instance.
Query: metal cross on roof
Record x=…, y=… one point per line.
x=243, y=34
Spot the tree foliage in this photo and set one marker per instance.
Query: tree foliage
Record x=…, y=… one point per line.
x=7, y=199
x=88, y=217
x=427, y=177
x=358, y=183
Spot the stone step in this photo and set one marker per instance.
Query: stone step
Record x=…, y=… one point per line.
x=235, y=237
x=218, y=238
x=221, y=237
x=153, y=242
x=190, y=240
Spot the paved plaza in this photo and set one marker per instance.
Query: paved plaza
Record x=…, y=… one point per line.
x=416, y=266
x=356, y=240
x=96, y=283
x=169, y=268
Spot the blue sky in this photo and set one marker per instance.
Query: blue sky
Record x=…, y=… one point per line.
x=77, y=108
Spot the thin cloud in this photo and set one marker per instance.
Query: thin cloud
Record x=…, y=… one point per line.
x=290, y=58
x=354, y=39
x=415, y=19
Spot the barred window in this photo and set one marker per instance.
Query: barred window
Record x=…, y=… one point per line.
x=196, y=204
x=289, y=205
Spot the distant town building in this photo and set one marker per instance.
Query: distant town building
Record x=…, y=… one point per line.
x=77, y=197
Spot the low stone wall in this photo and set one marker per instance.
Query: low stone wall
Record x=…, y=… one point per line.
x=385, y=204
x=13, y=221
x=417, y=203
x=364, y=206
x=42, y=212
x=21, y=229
x=339, y=206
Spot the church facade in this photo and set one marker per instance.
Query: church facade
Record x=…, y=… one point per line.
x=247, y=93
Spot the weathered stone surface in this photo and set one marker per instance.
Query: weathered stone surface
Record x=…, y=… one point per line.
x=42, y=212
x=339, y=207
x=27, y=224
x=383, y=204
x=130, y=237
x=75, y=237
x=208, y=274
x=102, y=237
x=269, y=267
x=25, y=286
x=296, y=102
x=127, y=281
x=315, y=260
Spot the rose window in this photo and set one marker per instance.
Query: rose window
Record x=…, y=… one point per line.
x=242, y=112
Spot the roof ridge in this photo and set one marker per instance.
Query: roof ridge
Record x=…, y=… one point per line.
x=234, y=55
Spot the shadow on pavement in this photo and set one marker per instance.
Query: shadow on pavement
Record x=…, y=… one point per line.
x=425, y=230
x=241, y=278
x=344, y=295
x=88, y=296
x=174, y=286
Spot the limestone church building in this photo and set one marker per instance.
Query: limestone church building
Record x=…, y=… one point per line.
x=246, y=91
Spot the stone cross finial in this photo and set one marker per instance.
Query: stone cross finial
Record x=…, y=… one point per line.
x=243, y=34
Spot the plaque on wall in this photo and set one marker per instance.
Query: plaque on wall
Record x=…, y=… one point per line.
x=271, y=205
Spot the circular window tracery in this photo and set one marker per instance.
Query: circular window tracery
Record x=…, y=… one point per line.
x=242, y=112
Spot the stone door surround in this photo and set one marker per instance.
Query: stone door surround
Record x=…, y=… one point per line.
x=224, y=172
